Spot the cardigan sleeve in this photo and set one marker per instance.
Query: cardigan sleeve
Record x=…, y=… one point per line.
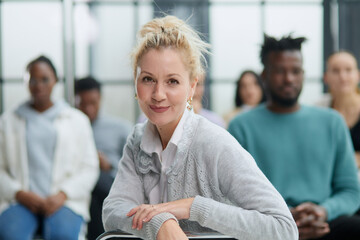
x=126, y=193
x=257, y=210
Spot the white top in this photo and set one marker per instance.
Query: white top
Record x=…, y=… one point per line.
x=166, y=157
x=75, y=166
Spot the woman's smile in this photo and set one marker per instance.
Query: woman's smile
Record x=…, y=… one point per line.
x=159, y=109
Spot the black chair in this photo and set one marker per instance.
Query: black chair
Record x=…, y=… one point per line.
x=117, y=235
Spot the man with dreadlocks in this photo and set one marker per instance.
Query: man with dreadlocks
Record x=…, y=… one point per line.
x=306, y=152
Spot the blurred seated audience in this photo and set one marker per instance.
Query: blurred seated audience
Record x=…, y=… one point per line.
x=249, y=93
x=198, y=107
x=306, y=152
x=342, y=78
x=110, y=137
x=48, y=163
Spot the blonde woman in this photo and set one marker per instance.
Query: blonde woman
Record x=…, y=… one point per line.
x=180, y=172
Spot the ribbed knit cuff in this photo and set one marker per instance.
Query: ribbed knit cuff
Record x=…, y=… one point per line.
x=155, y=223
x=200, y=209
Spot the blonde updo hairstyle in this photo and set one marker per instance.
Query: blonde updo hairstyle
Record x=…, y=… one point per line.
x=172, y=32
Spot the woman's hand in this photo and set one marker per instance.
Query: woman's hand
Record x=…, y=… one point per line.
x=170, y=230
x=54, y=202
x=30, y=200
x=145, y=212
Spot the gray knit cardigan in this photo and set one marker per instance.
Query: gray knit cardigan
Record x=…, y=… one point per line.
x=232, y=196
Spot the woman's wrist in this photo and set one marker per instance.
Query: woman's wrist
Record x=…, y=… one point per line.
x=170, y=229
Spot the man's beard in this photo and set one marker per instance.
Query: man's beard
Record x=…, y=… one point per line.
x=284, y=102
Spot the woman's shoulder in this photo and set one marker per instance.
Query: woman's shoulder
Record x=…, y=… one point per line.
x=208, y=134
x=205, y=125
x=212, y=145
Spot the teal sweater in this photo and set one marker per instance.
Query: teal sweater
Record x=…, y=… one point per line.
x=307, y=155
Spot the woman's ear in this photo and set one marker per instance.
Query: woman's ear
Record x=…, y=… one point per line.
x=193, y=86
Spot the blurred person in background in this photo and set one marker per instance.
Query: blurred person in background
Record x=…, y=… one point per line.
x=48, y=163
x=342, y=78
x=110, y=137
x=305, y=151
x=249, y=93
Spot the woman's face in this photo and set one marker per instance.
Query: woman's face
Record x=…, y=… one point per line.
x=41, y=82
x=249, y=90
x=163, y=86
x=342, y=74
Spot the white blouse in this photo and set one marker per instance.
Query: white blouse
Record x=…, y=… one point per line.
x=151, y=143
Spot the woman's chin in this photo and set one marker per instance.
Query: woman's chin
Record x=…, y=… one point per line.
x=158, y=122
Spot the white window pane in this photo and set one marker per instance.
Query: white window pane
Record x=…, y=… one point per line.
x=119, y=100
x=145, y=13
x=114, y=42
x=86, y=31
x=235, y=35
x=28, y=30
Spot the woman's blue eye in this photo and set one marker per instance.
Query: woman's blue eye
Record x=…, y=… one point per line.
x=173, y=81
x=147, y=79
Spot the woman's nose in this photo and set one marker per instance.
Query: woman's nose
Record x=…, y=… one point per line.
x=159, y=92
